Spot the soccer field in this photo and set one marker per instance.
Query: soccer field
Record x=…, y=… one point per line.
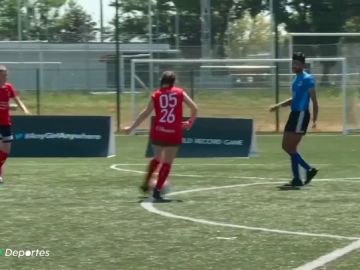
x=88, y=213
x=215, y=103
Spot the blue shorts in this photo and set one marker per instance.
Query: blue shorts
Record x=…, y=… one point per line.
x=298, y=122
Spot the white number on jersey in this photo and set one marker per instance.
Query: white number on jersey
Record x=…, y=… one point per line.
x=168, y=103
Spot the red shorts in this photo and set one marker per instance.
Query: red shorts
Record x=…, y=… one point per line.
x=162, y=143
x=166, y=139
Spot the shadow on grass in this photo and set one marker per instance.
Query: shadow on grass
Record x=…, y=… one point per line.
x=164, y=200
x=288, y=188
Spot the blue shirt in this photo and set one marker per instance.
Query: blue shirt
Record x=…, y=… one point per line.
x=302, y=85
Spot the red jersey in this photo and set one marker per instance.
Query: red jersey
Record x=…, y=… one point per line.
x=7, y=91
x=167, y=126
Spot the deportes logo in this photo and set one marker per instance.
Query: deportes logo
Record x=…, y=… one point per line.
x=8, y=252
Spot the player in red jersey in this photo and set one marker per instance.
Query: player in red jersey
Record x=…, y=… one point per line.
x=7, y=92
x=166, y=130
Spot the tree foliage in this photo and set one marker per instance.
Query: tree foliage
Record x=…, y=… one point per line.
x=317, y=16
x=8, y=19
x=42, y=20
x=134, y=19
x=39, y=17
x=249, y=36
x=74, y=26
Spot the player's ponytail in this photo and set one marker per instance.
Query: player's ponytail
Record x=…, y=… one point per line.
x=167, y=79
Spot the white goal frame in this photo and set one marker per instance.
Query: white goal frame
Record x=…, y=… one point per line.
x=341, y=60
x=295, y=34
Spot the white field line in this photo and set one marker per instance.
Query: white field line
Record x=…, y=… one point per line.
x=44, y=164
x=332, y=256
x=223, y=164
x=115, y=167
x=148, y=205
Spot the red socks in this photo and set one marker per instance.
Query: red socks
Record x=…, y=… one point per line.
x=3, y=157
x=154, y=163
x=163, y=174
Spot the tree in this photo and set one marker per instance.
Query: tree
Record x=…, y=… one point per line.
x=36, y=17
x=8, y=21
x=317, y=16
x=353, y=24
x=40, y=18
x=249, y=35
x=223, y=12
x=74, y=26
x=134, y=20
x=227, y=11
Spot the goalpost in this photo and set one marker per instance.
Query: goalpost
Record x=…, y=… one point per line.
x=250, y=100
x=294, y=34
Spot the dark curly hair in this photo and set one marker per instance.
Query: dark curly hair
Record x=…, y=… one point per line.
x=299, y=56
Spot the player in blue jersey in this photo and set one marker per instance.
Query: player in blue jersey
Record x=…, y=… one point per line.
x=303, y=89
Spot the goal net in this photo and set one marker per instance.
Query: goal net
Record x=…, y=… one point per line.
x=245, y=88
